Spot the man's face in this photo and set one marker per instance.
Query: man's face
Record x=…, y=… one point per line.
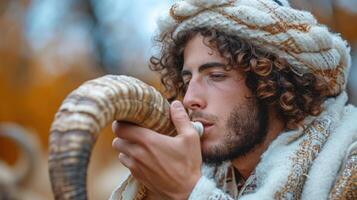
x=234, y=122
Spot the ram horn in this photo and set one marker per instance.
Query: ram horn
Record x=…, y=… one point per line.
x=29, y=149
x=85, y=112
x=13, y=177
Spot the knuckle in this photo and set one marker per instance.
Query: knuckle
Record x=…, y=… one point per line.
x=190, y=136
x=137, y=153
x=146, y=140
x=179, y=116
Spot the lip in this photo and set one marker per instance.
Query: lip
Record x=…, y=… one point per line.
x=206, y=124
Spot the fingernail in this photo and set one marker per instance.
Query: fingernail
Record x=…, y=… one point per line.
x=115, y=125
x=176, y=104
x=114, y=142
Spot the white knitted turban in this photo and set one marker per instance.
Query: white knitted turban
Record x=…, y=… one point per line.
x=275, y=27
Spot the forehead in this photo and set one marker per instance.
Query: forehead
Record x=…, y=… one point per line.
x=197, y=52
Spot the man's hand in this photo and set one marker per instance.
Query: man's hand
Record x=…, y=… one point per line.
x=168, y=166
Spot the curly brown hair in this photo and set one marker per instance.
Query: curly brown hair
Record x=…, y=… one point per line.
x=267, y=76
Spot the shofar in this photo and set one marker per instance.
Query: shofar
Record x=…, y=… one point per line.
x=81, y=117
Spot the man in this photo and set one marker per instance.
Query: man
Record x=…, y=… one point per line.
x=268, y=84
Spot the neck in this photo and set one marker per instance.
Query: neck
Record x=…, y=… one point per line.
x=246, y=164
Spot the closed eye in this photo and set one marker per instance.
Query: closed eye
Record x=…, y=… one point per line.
x=217, y=76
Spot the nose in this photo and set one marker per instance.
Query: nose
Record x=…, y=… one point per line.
x=194, y=98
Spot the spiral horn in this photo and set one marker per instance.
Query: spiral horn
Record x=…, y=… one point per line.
x=82, y=116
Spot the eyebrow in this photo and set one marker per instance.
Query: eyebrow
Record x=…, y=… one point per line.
x=204, y=67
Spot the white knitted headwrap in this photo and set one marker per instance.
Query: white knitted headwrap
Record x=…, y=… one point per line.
x=275, y=27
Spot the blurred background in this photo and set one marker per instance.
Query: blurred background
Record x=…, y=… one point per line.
x=49, y=47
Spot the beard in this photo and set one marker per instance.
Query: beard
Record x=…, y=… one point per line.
x=245, y=128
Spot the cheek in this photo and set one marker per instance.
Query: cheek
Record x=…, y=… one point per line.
x=232, y=87
x=231, y=95
x=225, y=98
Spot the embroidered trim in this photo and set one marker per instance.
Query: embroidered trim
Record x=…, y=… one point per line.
x=309, y=147
x=346, y=184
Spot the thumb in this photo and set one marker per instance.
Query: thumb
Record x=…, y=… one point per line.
x=180, y=118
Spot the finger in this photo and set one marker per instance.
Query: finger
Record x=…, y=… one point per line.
x=128, y=162
x=180, y=118
x=136, y=169
x=132, y=132
x=123, y=146
x=115, y=126
x=120, y=128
